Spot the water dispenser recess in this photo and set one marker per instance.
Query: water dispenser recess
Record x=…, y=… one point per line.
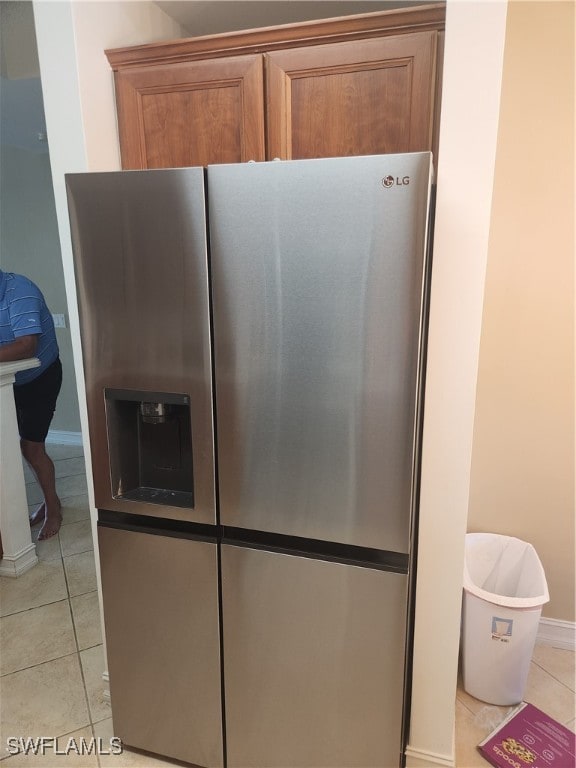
x=150, y=447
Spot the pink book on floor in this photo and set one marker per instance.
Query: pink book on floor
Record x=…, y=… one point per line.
x=529, y=738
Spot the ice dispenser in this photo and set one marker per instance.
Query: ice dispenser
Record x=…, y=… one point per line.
x=150, y=447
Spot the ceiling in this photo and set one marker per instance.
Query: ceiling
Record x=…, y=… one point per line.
x=201, y=17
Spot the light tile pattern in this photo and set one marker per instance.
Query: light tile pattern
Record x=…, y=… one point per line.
x=551, y=687
x=51, y=653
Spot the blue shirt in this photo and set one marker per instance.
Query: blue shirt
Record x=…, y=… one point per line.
x=23, y=312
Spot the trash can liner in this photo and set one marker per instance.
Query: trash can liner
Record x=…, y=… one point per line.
x=504, y=591
x=505, y=571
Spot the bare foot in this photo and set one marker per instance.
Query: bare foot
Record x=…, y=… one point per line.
x=38, y=516
x=51, y=526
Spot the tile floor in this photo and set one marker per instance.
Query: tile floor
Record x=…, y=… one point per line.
x=51, y=653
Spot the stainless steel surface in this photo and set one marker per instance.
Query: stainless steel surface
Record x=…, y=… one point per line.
x=141, y=270
x=162, y=638
x=317, y=291
x=317, y=281
x=313, y=662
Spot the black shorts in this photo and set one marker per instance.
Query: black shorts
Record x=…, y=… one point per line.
x=36, y=403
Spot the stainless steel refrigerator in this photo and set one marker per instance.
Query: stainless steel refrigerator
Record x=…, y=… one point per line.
x=253, y=339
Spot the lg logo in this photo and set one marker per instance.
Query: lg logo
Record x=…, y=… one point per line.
x=391, y=181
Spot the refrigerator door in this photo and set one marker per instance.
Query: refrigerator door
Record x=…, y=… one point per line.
x=140, y=255
x=162, y=639
x=313, y=662
x=318, y=282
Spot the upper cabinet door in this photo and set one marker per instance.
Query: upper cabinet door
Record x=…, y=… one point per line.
x=191, y=114
x=352, y=98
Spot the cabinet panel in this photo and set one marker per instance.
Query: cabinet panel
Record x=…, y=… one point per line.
x=191, y=114
x=352, y=98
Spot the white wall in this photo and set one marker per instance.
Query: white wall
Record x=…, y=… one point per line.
x=475, y=33
x=78, y=91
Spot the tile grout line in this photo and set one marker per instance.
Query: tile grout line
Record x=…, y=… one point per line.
x=553, y=676
x=33, y=607
x=82, y=675
x=68, y=598
x=40, y=663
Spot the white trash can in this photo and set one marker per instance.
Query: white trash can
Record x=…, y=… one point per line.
x=504, y=591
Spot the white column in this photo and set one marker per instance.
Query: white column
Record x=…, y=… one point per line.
x=473, y=59
x=19, y=551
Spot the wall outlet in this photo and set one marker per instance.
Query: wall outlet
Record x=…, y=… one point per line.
x=59, y=321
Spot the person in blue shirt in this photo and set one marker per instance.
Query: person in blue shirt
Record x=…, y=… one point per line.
x=27, y=330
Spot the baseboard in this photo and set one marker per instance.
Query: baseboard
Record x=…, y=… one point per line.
x=15, y=565
x=61, y=437
x=420, y=758
x=558, y=634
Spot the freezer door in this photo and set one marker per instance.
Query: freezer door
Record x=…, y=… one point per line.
x=161, y=616
x=318, y=287
x=313, y=662
x=140, y=257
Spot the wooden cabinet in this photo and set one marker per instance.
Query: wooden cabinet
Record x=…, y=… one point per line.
x=196, y=113
x=358, y=85
x=357, y=98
